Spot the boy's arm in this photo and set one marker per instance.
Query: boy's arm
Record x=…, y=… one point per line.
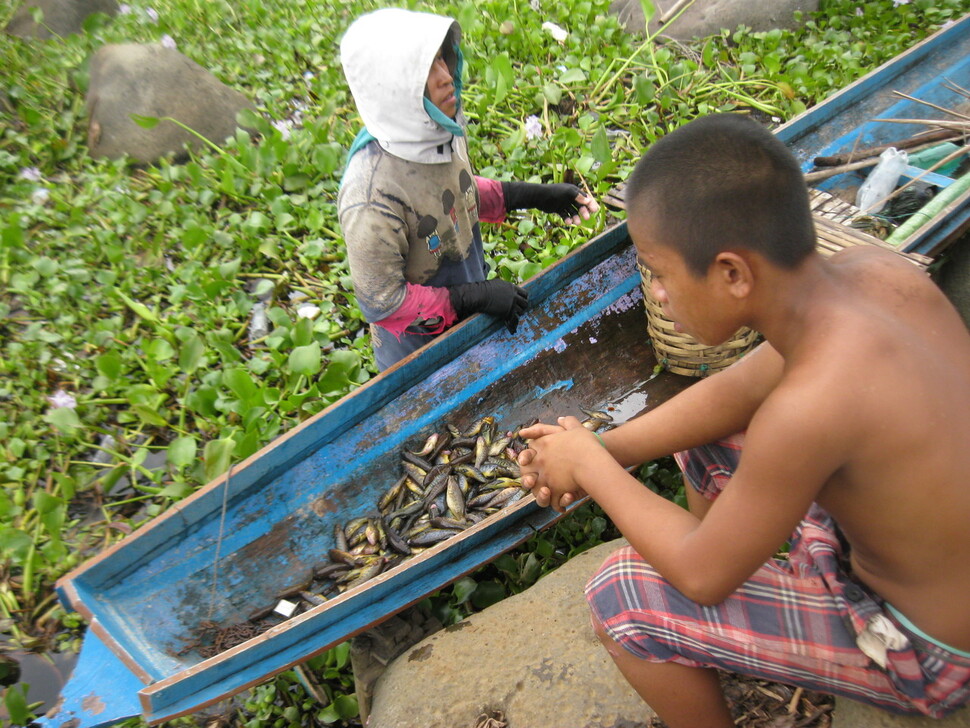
x=792, y=448
x=713, y=408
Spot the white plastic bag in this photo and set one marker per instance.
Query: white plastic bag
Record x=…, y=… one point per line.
x=882, y=180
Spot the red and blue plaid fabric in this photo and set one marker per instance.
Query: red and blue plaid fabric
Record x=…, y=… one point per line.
x=801, y=621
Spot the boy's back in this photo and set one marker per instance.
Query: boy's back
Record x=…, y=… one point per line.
x=890, y=359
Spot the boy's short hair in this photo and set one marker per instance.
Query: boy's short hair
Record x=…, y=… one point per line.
x=723, y=182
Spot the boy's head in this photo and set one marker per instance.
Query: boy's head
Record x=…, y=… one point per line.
x=722, y=183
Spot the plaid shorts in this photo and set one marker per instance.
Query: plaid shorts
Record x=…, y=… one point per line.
x=802, y=621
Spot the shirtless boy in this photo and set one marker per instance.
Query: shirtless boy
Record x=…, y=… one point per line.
x=854, y=413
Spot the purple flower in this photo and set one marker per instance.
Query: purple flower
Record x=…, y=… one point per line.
x=897, y=3
x=859, y=12
x=124, y=9
x=152, y=14
x=283, y=127
x=168, y=42
x=533, y=128
x=31, y=174
x=60, y=398
x=40, y=196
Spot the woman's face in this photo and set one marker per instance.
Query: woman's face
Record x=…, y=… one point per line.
x=440, y=88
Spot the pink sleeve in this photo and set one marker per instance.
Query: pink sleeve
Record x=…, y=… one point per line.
x=428, y=306
x=491, y=206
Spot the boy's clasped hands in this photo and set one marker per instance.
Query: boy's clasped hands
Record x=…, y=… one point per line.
x=554, y=462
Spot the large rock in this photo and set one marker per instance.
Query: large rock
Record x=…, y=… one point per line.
x=708, y=17
x=61, y=17
x=533, y=657
x=852, y=714
x=150, y=80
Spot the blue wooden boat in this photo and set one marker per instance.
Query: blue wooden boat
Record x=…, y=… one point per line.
x=258, y=529
x=931, y=72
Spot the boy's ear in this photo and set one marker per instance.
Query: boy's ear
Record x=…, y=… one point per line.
x=734, y=271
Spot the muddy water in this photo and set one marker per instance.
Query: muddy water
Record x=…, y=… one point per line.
x=43, y=676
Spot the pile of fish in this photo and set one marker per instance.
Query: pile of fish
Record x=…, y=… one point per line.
x=453, y=480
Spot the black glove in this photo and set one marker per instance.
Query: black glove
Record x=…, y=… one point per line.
x=495, y=297
x=558, y=198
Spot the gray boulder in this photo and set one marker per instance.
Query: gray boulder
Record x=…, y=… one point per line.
x=708, y=17
x=532, y=658
x=150, y=80
x=61, y=17
x=851, y=714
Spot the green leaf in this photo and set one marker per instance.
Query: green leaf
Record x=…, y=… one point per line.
x=342, y=654
x=109, y=365
x=305, y=359
x=552, y=93
x=600, y=146
x=145, y=122
x=572, y=75
x=341, y=371
x=139, y=308
x=149, y=415
x=217, y=455
x=487, y=594
x=649, y=10
x=191, y=353
x=463, y=589
x=240, y=383
x=15, y=700
x=15, y=543
x=182, y=451
x=51, y=510
x=64, y=420
x=346, y=706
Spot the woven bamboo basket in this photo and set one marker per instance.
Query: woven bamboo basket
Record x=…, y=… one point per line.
x=680, y=353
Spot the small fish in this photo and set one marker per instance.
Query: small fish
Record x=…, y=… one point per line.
x=315, y=599
x=340, y=537
x=388, y=499
x=431, y=537
x=449, y=523
x=417, y=474
x=396, y=542
x=455, y=499
x=346, y=557
x=598, y=415
x=436, y=488
x=295, y=589
x=330, y=569
x=481, y=451
x=498, y=446
x=429, y=445
x=479, y=425
x=417, y=461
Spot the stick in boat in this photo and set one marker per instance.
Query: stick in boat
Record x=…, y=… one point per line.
x=951, y=112
x=821, y=174
x=837, y=160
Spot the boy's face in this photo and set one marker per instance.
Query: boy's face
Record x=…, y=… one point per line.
x=440, y=88
x=696, y=304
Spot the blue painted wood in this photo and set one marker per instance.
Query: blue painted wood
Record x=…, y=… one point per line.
x=100, y=692
x=153, y=588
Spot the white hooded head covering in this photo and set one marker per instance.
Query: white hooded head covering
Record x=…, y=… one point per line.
x=386, y=57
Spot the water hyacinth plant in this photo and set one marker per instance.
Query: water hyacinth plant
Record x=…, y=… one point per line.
x=162, y=322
